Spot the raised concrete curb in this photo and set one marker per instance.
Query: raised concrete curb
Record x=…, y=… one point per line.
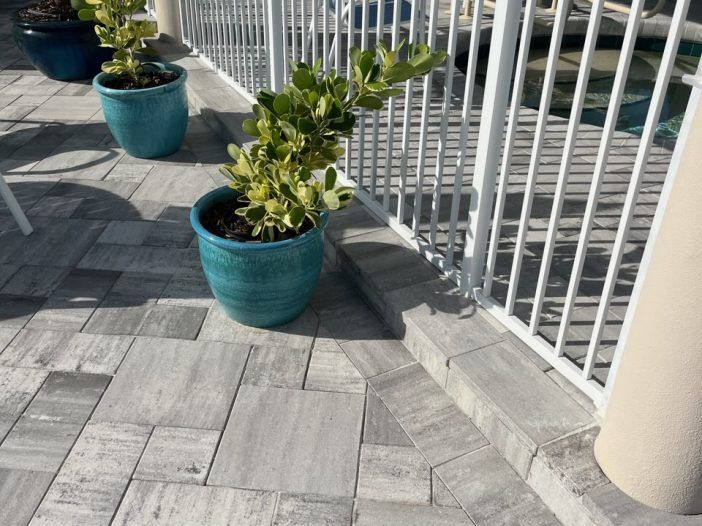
x=539, y=424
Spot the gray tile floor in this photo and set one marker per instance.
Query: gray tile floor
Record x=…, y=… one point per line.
x=128, y=397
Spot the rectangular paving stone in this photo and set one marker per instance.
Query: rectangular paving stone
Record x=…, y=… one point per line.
x=610, y=506
x=157, y=503
x=380, y=426
x=92, y=480
x=67, y=397
x=34, y=281
x=119, y=316
x=376, y=356
x=7, y=271
x=126, y=232
x=371, y=513
x=157, y=260
x=61, y=244
x=173, y=321
x=38, y=445
x=333, y=371
x=55, y=206
x=177, y=454
x=178, y=184
x=526, y=400
x=119, y=209
x=129, y=172
x=426, y=413
x=174, y=383
x=394, y=473
x=66, y=351
x=15, y=311
x=63, y=314
x=352, y=319
x=6, y=336
x=265, y=447
x=440, y=494
x=187, y=288
x=293, y=509
x=17, y=388
x=167, y=233
x=491, y=492
x=86, y=283
x=131, y=286
x=298, y=334
x=276, y=367
x=65, y=107
x=20, y=494
x=351, y=221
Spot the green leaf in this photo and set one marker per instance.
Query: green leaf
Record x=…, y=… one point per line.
x=250, y=127
x=331, y=200
x=355, y=56
x=369, y=101
x=281, y=104
x=330, y=178
x=234, y=151
x=302, y=79
x=306, y=126
x=254, y=213
x=399, y=72
x=295, y=217
x=288, y=129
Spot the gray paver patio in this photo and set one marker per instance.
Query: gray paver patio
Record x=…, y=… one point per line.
x=127, y=396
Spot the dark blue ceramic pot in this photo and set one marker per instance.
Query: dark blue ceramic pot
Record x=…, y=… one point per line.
x=258, y=284
x=60, y=50
x=147, y=123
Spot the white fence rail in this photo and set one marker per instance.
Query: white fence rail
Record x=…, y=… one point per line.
x=540, y=214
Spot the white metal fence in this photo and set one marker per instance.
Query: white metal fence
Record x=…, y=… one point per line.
x=542, y=217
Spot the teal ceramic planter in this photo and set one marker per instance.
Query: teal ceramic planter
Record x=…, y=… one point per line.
x=147, y=123
x=258, y=284
x=68, y=50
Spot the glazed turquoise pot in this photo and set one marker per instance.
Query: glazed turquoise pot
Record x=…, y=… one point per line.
x=258, y=284
x=147, y=123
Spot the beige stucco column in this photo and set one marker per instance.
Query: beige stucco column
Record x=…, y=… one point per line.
x=650, y=445
x=168, y=19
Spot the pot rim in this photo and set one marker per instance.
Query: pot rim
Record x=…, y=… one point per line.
x=229, y=244
x=47, y=24
x=130, y=93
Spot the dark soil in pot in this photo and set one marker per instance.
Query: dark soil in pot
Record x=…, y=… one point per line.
x=223, y=221
x=150, y=79
x=48, y=11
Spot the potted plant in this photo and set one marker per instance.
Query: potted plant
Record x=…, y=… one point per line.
x=261, y=237
x=145, y=104
x=56, y=42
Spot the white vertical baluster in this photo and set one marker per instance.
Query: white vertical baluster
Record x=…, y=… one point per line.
x=541, y=123
x=649, y=132
x=362, y=115
x=445, y=112
x=325, y=34
x=260, y=48
x=468, y=91
x=266, y=50
x=286, y=36
x=350, y=22
x=293, y=21
x=600, y=169
x=337, y=34
x=379, y=33
x=314, y=30
x=568, y=149
x=407, y=124
x=391, y=112
x=238, y=48
x=249, y=17
x=276, y=36
x=426, y=112
x=492, y=125
x=303, y=31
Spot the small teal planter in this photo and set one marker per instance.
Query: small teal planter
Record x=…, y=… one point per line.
x=147, y=123
x=64, y=51
x=258, y=284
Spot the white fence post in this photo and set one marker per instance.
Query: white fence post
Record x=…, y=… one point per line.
x=276, y=56
x=492, y=127
x=167, y=14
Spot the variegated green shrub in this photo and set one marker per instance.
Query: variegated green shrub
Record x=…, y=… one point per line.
x=298, y=133
x=116, y=28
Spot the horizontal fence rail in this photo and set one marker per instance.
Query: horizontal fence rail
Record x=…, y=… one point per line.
x=527, y=168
